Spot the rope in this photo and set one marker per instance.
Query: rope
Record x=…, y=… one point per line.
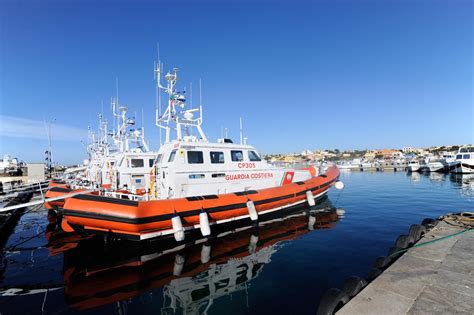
x=13, y=247
x=462, y=219
x=431, y=242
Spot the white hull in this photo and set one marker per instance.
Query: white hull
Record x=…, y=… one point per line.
x=435, y=167
x=464, y=168
x=413, y=168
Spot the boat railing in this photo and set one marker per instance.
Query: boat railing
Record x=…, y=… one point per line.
x=123, y=195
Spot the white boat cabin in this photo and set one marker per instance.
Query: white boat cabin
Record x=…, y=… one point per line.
x=465, y=153
x=194, y=168
x=129, y=171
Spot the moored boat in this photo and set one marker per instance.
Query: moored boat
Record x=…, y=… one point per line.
x=414, y=166
x=465, y=160
x=195, y=184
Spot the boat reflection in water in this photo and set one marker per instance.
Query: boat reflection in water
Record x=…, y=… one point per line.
x=192, y=274
x=465, y=182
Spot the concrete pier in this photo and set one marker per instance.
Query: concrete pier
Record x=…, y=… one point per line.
x=434, y=279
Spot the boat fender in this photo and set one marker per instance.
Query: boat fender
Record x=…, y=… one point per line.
x=253, y=243
x=178, y=265
x=252, y=211
x=381, y=262
x=416, y=231
x=204, y=224
x=205, y=253
x=391, y=253
x=403, y=241
x=374, y=273
x=311, y=222
x=310, y=198
x=353, y=285
x=333, y=300
x=428, y=222
x=339, y=185
x=340, y=212
x=178, y=230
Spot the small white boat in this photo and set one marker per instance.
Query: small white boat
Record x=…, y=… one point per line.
x=435, y=165
x=414, y=166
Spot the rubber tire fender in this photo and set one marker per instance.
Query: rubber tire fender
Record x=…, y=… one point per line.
x=416, y=231
x=374, y=273
x=381, y=262
x=332, y=301
x=428, y=222
x=353, y=285
x=393, y=250
x=403, y=241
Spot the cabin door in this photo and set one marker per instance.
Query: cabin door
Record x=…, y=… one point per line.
x=162, y=182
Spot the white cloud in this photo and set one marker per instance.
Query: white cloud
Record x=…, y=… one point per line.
x=36, y=129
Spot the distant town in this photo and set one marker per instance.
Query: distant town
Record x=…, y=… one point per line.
x=308, y=156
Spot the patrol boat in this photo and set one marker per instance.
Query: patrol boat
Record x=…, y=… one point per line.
x=119, y=161
x=196, y=184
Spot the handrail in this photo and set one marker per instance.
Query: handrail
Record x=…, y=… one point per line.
x=37, y=202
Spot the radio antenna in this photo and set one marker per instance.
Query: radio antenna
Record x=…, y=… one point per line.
x=158, y=94
x=241, y=132
x=200, y=99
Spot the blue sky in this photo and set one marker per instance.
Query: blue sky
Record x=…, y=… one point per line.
x=302, y=74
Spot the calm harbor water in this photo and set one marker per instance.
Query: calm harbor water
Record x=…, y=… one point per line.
x=283, y=266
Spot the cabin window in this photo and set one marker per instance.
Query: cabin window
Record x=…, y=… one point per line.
x=151, y=162
x=137, y=163
x=172, y=155
x=195, y=157
x=217, y=157
x=237, y=156
x=465, y=156
x=459, y=156
x=218, y=175
x=253, y=156
x=196, y=176
x=158, y=158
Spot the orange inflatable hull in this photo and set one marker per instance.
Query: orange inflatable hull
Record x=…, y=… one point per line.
x=146, y=219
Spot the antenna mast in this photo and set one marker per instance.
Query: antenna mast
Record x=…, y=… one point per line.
x=176, y=101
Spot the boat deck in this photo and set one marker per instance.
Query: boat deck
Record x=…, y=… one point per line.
x=433, y=279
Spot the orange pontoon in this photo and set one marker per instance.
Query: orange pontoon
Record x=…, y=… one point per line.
x=149, y=219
